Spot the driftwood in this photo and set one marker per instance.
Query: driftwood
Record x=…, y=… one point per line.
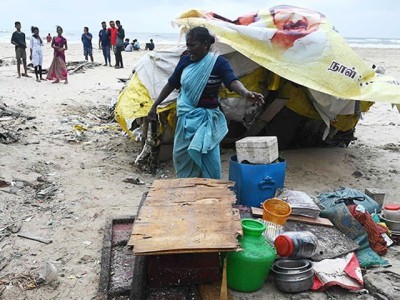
x=80, y=66
x=33, y=237
x=5, y=111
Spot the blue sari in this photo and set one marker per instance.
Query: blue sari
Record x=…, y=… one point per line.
x=199, y=130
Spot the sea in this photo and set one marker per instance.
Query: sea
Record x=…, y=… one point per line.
x=173, y=39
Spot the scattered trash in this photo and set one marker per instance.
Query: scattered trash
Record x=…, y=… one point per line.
x=344, y=271
x=4, y=183
x=133, y=180
x=48, y=274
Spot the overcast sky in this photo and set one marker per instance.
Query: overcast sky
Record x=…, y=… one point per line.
x=353, y=18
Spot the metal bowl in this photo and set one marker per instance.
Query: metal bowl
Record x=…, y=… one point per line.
x=291, y=265
x=393, y=225
x=293, y=276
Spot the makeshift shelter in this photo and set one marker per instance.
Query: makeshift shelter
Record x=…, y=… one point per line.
x=315, y=85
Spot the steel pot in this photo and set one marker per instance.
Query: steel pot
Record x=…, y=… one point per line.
x=393, y=225
x=292, y=265
x=293, y=276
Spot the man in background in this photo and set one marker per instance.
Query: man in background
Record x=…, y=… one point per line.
x=119, y=46
x=18, y=39
x=87, y=44
x=113, y=37
x=105, y=43
x=150, y=46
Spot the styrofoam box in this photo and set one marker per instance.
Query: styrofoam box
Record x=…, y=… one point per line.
x=257, y=149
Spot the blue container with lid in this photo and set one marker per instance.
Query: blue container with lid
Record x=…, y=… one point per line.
x=255, y=183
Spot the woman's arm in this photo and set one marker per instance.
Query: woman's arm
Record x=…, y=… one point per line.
x=167, y=89
x=239, y=88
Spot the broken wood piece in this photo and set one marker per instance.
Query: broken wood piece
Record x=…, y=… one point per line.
x=258, y=212
x=79, y=67
x=33, y=237
x=224, y=283
x=270, y=112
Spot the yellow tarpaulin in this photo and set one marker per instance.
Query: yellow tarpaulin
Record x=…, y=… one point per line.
x=302, y=46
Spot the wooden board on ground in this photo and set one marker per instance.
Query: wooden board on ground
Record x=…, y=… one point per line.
x=186, y=216
x=258, y=212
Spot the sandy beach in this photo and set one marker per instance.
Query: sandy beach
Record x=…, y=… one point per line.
x=71, y=159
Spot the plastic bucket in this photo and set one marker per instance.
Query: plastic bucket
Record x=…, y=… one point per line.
x=276, y=211
x=256, y=182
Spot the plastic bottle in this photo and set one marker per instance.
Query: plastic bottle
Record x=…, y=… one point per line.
x=296, y=244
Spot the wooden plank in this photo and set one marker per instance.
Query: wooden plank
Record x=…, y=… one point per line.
x=34, y=237
x=184, y=216
x=270, y=112
x=258, y=212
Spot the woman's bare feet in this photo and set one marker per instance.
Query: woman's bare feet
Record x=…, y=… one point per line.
x=37, y=79
x=56, y=81
x=66, y=81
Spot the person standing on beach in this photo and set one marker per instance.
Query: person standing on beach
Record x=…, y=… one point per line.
x=18, y=39
x=48, y=38
x=87, y=44
x=119, y=46
x=36, y=53
x=58, y=69
x=105, y=43
x=113, y=36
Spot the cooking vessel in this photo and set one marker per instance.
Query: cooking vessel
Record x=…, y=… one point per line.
x=293, y=276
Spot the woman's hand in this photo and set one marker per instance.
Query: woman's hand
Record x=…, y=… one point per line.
x=253, y=97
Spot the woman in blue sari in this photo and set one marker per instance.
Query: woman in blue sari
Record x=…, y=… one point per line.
x=201, y=125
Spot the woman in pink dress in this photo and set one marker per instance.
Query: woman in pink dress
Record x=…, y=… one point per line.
x=58, y=68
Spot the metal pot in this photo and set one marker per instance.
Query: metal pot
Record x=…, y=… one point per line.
x=287, y=265
x=393, y=225
x=293, y=276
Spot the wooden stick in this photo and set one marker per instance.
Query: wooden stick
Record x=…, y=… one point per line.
x=33, y=237
x=224, y=283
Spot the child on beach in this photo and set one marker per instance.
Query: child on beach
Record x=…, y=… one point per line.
x=36, y=53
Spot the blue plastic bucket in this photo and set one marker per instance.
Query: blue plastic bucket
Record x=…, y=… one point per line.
x=255, y=183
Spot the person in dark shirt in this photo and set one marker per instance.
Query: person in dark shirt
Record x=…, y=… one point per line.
x=150, y=46
x=119, y=46
x=87, y=44
x=201, y=125
x=18, y=39
x=105, y=43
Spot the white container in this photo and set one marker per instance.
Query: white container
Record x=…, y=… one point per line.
x=257, y=149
